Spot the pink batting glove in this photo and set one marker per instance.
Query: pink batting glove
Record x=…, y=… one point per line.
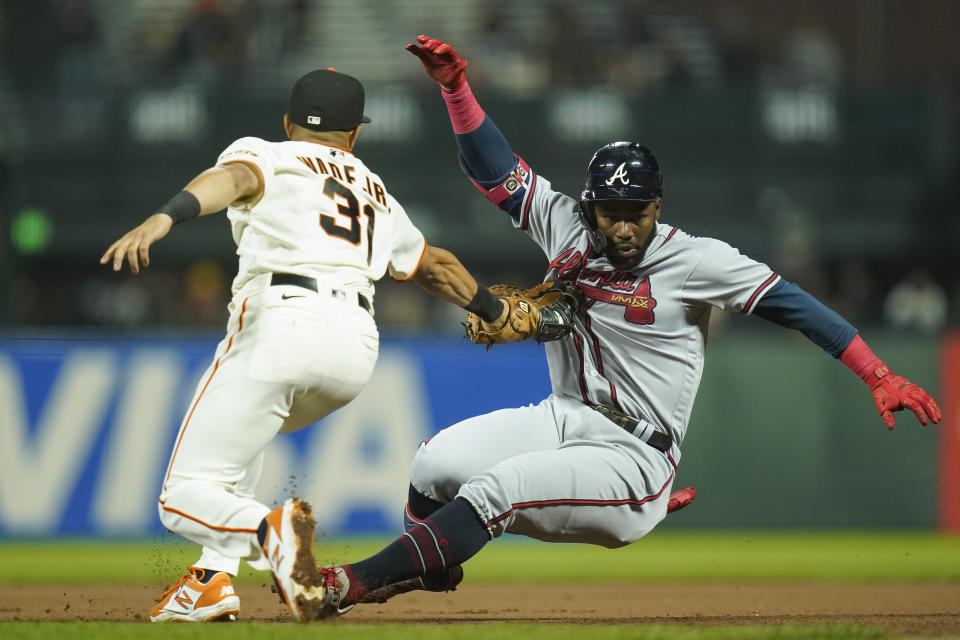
x=681, y=498
x=894, y=393
x=440, y=60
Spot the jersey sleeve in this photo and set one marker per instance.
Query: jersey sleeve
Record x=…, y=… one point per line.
x=254, y=152
x=407, y=244
x=725, y=278
x=549, y=217
x=790, y=306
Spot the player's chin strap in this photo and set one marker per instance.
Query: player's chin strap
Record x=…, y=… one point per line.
x=598, y=241
x=518, y=178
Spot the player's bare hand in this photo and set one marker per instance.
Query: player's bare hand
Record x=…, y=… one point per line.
x=134, y=246
x=894, y=393
x=441, y=61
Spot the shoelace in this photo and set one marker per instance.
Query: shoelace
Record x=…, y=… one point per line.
x=330, y=578
x=176, y=585
x=332, y=586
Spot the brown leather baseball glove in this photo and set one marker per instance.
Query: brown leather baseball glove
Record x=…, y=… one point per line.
x=544, y=312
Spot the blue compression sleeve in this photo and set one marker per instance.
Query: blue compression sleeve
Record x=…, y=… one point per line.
x=790, y=306
x=485, y=154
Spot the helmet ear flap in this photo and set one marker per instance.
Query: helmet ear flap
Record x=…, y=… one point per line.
x=588, y=218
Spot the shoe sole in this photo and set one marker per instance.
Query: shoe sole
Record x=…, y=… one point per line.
x=304, y=594
x=226, y=611
x=310, y=600
x=226, y=616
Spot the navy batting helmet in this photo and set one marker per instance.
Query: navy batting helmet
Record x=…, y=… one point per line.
x=618, y=171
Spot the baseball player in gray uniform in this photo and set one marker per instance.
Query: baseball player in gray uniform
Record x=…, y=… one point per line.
x=314, y=228
x=595, y=461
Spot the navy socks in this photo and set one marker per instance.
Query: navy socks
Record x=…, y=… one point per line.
x=450, y=536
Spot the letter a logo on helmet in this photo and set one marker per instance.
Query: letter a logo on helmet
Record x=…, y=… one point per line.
x=636, y=177
x=620, y=173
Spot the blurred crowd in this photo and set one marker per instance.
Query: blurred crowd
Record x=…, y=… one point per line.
x=85, y=48
x=81, y=51
x=89, y=46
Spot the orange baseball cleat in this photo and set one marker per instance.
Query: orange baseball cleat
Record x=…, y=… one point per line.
x=190, y=600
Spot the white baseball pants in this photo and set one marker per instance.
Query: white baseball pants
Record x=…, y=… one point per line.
x=558, y=471
x=291, y=356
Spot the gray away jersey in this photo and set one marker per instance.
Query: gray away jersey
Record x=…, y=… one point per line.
x=638, y=346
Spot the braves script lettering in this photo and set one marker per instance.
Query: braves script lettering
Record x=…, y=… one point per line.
x=567, y=263
x=617, y=287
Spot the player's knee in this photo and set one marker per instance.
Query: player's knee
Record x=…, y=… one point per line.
x=435, y=476
x=162, y=513
x=170, y=505
x=168, y=517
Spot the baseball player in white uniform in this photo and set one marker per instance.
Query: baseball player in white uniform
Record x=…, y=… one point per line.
x=314, y=228
x=595, y=461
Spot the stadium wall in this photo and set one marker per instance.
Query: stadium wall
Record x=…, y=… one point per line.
x=781, y=435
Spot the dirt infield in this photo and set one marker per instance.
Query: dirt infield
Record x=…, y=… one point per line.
x=906, y=608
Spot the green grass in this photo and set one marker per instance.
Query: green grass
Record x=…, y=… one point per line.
x=499, y=631
x=853, y=556
x=688, y=555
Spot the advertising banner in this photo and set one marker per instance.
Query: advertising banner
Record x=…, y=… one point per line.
x=87, y=427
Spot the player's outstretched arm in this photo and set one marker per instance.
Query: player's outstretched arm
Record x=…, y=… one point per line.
x=485, y=153
x=502, y=313
x=790, y=306
x=211, y=191
x=443, y=276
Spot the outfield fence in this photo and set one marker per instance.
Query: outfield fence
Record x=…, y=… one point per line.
x=781, y=435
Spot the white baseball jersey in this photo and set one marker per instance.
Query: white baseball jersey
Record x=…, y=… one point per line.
x=559, y=470
x=322, y=214
x=292, y=354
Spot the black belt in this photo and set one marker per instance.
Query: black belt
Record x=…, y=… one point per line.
x=309, y=283
x=643, y=429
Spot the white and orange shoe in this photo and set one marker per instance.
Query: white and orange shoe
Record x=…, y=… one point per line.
x=288, y=547
x=190, y=600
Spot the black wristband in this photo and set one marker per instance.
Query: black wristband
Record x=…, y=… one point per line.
x=485, y=304
x=181, y=207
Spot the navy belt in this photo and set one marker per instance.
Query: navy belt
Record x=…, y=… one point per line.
x=641, y=428
x=306, y=282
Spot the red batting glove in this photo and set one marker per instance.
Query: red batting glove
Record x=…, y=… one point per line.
x=440, y=60
x=893, y=393
x=680, y=499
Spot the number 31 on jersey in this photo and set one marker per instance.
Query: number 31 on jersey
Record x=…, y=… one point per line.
x=348, y=205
